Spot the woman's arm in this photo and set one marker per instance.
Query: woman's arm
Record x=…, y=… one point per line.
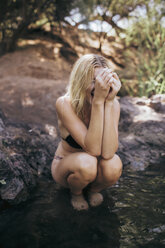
x=111, y=120
x=93, y=137
x=110, y=133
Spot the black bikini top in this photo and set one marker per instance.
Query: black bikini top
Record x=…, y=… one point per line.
x=72, y=142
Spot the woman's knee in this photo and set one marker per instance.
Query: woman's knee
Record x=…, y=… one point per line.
x=111, y=169
x=87, y=167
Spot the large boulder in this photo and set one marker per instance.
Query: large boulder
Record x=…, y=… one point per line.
x=26, y=154
x=142, y=131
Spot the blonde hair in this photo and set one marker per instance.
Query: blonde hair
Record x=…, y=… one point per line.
x=81, y=77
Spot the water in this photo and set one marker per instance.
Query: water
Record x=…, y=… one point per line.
x=132, y=215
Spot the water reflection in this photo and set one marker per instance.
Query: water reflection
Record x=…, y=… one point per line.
x=132, y=216
x=140, y=206
x=50, y=221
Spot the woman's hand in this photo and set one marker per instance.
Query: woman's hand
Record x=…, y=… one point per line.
x=115, y=86
x=102, y=84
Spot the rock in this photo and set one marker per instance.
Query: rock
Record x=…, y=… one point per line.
x=27, y=150
x=24, y=157
x=141, y=134
x=157, y=102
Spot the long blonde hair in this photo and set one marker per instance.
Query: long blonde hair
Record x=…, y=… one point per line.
x=81, y=77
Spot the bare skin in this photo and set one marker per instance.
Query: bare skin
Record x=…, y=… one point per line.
x=96, y=164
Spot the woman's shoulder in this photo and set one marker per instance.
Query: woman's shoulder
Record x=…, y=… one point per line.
x=62, y=102
x=64, y=108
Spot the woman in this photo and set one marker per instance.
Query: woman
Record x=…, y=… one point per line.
x=88, y=121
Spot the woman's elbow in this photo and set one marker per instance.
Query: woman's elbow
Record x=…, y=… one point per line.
x=94, y=152
x=109, y=155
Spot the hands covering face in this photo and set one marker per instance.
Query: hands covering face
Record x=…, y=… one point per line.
x=115, y=86
x=107, y=84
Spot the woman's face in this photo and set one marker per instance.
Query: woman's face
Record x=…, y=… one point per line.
x=91, y=88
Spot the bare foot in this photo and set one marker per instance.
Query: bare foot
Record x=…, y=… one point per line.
x=78, y=202
x=95, y=199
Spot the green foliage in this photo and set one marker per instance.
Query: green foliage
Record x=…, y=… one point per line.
x=151, y=69
x=148, y=35
x=17, y=15
x=124, y=7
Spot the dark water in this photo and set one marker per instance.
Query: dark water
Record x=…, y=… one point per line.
x=132, y=215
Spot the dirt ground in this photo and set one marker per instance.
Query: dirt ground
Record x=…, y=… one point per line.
x=30, y=82
x=32, y=77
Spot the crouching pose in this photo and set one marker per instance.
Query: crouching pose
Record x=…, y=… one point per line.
x=88, y=117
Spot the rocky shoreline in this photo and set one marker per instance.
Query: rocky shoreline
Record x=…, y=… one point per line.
x=26, y=150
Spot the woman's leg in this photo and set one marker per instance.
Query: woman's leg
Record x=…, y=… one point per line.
x=75, y=171
x=109, y=171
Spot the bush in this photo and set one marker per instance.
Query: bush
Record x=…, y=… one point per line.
x=148, y=36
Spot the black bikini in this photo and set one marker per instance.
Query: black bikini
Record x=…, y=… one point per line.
x=72, y=142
